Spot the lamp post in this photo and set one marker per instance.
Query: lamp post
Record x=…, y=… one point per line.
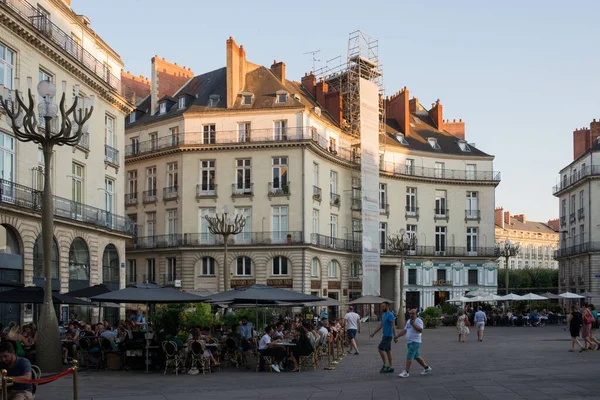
x=401, y=243
x=24, y=123
x=507, y=251
x=225, y=224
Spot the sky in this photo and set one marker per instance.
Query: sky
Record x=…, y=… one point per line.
x=522, y=74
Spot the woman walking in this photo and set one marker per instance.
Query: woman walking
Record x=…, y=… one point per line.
x=461, y=326
x=574, y=322
x=586, y=332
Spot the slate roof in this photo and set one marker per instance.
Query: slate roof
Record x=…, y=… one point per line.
x=531, y=226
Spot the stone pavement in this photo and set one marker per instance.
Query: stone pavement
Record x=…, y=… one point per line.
x=511, y=363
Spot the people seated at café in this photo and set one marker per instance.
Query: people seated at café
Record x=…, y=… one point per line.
x=268, y=347
x=304, y=345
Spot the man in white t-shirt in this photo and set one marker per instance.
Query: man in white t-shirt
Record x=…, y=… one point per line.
x=352, y=326
x=268, y=347
x=413, y=330
x=323, y=331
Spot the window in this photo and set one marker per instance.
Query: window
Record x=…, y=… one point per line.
x=280, y=132
x=471, y=171
x=440, y=203
x=205, y=235
x=355, y=269
x=282, y=97
x=462, y=144
x=401, y=139
x=131, y=271
x=132, y=117
x=383, y=235
x=314, y=267
x=433, y=143
x=150, y=270
x=471, y=240
x=581, y=234
x=382, y=197
x=332, y=145
x=410, y=166
x=7, y=66
x=333, y=179
x=439, y=170
x=171, y=269
x=244, y=266
x=315, y=221
x=564, y=208
x=280, y=265
x=150, y=223
x=245, y=235
x=411, y=200
x=440, y=239
x=132, y=186
x=246, y=99
x=109, y=131
x=244, y=132
x=7, y=162
x=411, y=230
x=333, y=226
x=213, y=100
x=77, y=184
x=581, y=200
x=208, y=266
x=243, y=184
x=279, y=216
x=334, y=269
x=134, y=143
x=412, y=276
x=181, y=103
x=172, y=181
x=174, y=132
x=209, y=133
x=172, y=222
x=441, y=276
x=473, y=277
x=109, y=196
x=572, y=205
x=280, y=172
x=151, y=180
x=153, y=141
x=162, y=107
x=472, y=206
x=316, y=174
x=207, y=176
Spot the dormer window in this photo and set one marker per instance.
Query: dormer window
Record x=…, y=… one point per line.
x=282, y=97
x=464, y=146
x=162, y=108
x=247, y=98
x=318, y=111
x=132, y=117
x=181, y=103
x=213, y=100
x=433, y=143
x=400, y=138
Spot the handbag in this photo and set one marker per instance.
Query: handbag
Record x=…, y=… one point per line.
x=588, y=319
x=467, y=322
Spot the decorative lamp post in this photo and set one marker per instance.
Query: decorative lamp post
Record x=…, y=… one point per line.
x=225, y=224
x=401, y=243
x=507, y=251
x=71, y=126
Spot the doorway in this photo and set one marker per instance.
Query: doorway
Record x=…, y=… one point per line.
x=413, y=300
x=441, y=297
x=333, y=311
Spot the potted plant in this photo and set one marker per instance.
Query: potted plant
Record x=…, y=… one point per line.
x=289, y=238
x=286, y=189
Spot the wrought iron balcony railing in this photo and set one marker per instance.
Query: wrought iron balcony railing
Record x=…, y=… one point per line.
x=335, y=200
x=171, y=193
x=581, y=213
x=317, y=193
x=329, y=242
x=111, y=155
x=131, y=199
x=279, y=189
x=206, y=190
x=384, y=209
x=84, y=141
x=565, y=183
x=242, y=189
x=149, y=196
x=577, y=249
x=412, y=212
x=472, y=215
x=208, y=239
x=441, y=213
x=356, y=204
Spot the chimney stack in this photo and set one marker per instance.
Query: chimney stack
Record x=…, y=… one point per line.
x=397, y=108
x=167, y=78
x=554, y=224
x=413, y=105
x=507, y=217
x=236, y=70
x=436, y=114
x=521, y=217
x=278, y=68
x=499, y=217
x=309, y=81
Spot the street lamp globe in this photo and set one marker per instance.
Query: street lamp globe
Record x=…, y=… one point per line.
x=46, y=89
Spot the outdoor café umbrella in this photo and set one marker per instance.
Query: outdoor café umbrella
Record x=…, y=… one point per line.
x=260, y=294
x=366, y=300
x=491, y=297
x=9, y=283
x=148, y=293
x=551, y=296
x=35, y=295
x=512, y=296
x=461, y=299
x=569, y=295
x=533, y=297
x=327, y=302
x=89, y=291
x=590, y=295
x=477, y=292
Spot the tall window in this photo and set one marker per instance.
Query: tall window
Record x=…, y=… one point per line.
x=207, y=176
x=471, y=240
x=134, y=143
x=109, y=195
x=382, y=197
x=333, y=179
x=439, y=169
x=355, y=269
x=243, y=184
x=280, y=131
x=572, y=205
x=279, y=215
x=153, y=141
x=315, y=221
x=150, y=270
x=205, y=235
x=440, y=202
x=472, y=206
x=244, y=132
x=334, y=268
x=131, y=271
x=581, y=200
x=581, y=234
x=333, y=226
x=411, y=230
x=209, y=134
x=172, y=181
x=471, y=171
x=411, y=200
x=280, y=265
x=383, y=235
x=244, y=266
x=151, y=180
x=174, y=132
x=7, y=157
x=412, y=276
x=109, y=131
x=132, y=183
x=314, y=267
x=172, y=222
x=410, y=166
x=563, y=207
x=473, y=277
x=77, y=185
x=208, y=266
x=171, y=269
x=7, y=66
x=280, y=172
x=150, y=223
x=440, y=239
x=316, y=174
x=245, y=235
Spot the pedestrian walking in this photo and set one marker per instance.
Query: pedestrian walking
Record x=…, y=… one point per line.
x=413, y=331
x=586, y=331
x=480, y=319
x=574, y=322
x=462, y=325
x=389, y=331
x=352, y=326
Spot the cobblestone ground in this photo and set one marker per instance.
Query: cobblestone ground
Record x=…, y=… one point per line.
x=511, y=363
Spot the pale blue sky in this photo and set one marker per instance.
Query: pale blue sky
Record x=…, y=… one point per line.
x=523, y=74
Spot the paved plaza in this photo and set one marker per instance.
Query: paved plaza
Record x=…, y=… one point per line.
x=511, y=363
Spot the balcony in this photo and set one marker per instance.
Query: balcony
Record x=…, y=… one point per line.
x=442, y=282
x=450, y=251
x=572, y=218
x=149, y=196
x=329, y=242
x=356, y=204
x=279, y=189
x=131, y=199
x=242, y=189
x=577, y=249
x=317, y=195
x=170, y=193
x=111, y=155
x=206, y=190
x=441, y=214
x=433, y=173
x=335, y=200
x=63, y=40
x=580, y=214
x=26, y=198
x=384, y=209
x=412, y=212
x=208, y=240
x=472, y=215
x=84, y=142
x=172, y=279
x=590, y=170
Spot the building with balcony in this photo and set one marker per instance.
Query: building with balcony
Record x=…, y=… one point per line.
x=47, y=40
x=538, y=240
x=578, y=191
x=246, y=137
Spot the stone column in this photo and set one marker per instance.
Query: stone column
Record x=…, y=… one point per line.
x=397, y=293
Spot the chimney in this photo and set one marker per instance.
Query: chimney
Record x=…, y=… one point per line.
x=436, y=114
x=499, y=216
x=236, y=70
x=322, y=88
x=520, y=217
x=553, y=223
x=278, y=68
x=135, y=88
x=397, y=108
x=455, y=128
x=309, y=82
x=581, y=141
x=413, y=104
x=167, y=78
x=507, y=217
x=594, y=133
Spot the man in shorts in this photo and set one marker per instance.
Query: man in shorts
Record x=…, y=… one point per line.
x=413, y=330
x=480, y=319
x=388, y=324
x=352, y=325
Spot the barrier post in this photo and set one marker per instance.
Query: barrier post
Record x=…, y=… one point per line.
x=4, y=389
x=330, y=367
x=75, y=388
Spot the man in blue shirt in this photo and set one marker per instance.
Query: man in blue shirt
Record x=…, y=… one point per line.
x=480, y=320
x=17, y=367
x=141, y=321
x=324, y=313
x=388, y=324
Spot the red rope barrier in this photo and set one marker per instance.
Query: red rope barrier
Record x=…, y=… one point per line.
x=42, y=381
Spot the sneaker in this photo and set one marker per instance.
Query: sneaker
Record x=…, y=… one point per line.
x=275, y=367
x=357, y=353
x=389, y=369
x=383, y=369
x=403, y=374
x=426, y=370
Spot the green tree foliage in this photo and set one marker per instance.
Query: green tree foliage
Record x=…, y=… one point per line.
x=528, y=279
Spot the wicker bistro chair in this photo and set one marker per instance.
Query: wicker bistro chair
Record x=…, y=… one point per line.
x=36, y=373
x=266, y=361
x=198, y=360
x=84, y=351
x=310, y=360
x=172, y=357
x=232, y=354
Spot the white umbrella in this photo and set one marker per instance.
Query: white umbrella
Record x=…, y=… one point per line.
x=477, y=292
x=512, y=296
x=475, y=299
x=532, y=296
x=461, y=299
x=491, y=297
x=569, y=295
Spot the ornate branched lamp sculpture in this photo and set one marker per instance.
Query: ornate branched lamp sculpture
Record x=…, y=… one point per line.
x=401, y=243
x=225, y=224
x=507, y=251
x=23, y=121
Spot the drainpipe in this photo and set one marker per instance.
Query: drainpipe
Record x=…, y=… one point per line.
x=303, y=220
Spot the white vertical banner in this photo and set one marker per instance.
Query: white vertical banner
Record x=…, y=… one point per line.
x=369, y=169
